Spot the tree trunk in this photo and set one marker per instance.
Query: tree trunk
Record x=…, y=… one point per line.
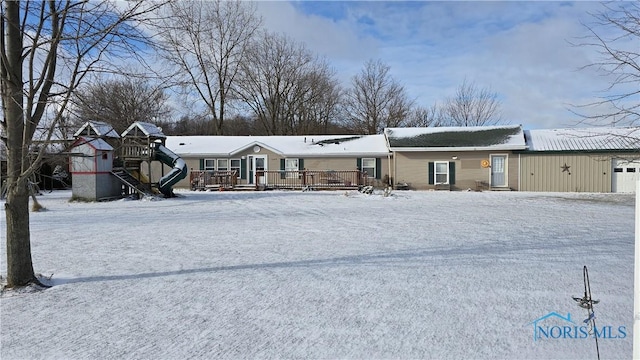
x=19, y=264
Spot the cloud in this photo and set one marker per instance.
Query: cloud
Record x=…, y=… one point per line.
x=521, y=50
x=334, y=39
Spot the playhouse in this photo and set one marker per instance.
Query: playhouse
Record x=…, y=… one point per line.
x=105, y=165
x=91, y=167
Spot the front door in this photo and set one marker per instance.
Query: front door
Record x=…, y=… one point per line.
x=257, y=167
x=498, y=170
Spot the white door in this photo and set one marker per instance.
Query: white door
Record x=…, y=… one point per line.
x=498, y=170
x=257, y=167
x=625, y=175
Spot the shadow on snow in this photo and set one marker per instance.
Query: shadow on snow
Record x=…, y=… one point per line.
x=432, y=257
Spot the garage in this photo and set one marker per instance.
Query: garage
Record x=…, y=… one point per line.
x=625, y=175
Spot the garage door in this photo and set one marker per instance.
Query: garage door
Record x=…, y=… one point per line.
x=625, y=175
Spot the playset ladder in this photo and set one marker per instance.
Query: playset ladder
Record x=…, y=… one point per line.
x=129, y=180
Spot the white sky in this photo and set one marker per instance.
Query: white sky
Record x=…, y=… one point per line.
x=520, y=50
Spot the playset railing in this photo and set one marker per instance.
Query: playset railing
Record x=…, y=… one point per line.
x=134, y=151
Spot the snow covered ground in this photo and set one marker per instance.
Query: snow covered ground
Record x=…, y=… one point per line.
x=235, y=275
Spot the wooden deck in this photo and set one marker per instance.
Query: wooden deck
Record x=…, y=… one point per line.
x=312, y=179
x=278, y=179
x=213, y=180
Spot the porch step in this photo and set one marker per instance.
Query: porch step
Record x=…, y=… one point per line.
x=244, y=187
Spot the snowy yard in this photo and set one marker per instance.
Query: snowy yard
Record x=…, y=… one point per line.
x=323, y=275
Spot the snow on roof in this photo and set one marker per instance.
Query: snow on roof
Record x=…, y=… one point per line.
x=509, y=137
x=584, y=139
x=150, y=130
x=300, y=146
x=99, y=128
x=95, y=143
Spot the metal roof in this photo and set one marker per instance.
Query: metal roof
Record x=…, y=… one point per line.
x=583, y=139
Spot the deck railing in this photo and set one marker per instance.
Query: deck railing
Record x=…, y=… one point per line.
x=208, y=179
x=311, y=179
x=279, y=179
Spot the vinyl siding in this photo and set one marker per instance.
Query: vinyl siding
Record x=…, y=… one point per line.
x=412, y=168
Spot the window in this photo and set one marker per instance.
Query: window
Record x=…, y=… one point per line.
x=441, y=172
x=631, y=169
x=369, y=167
x=235, y=165
x=209, y=164
x=223, y=164
x=617, y=170
x=291, y=165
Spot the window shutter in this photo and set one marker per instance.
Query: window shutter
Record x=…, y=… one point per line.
x=452, y=172
x=359, y=163
x=300, y=164
x=431, y=172
x=378, y=168
x=282, y=174
x=243, y=169
x=201, y=164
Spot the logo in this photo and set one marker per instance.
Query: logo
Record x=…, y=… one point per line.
x=554, y=326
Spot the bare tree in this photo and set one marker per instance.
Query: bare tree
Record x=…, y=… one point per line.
x=120, y=102
x=472, y=106
x=287, y=88
x=206, y=43
x=421, y=116
x=194, y=125
x=314, y=104
x=615, y=34
x=242, y=125
x=375, y=100
x=47, y=49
